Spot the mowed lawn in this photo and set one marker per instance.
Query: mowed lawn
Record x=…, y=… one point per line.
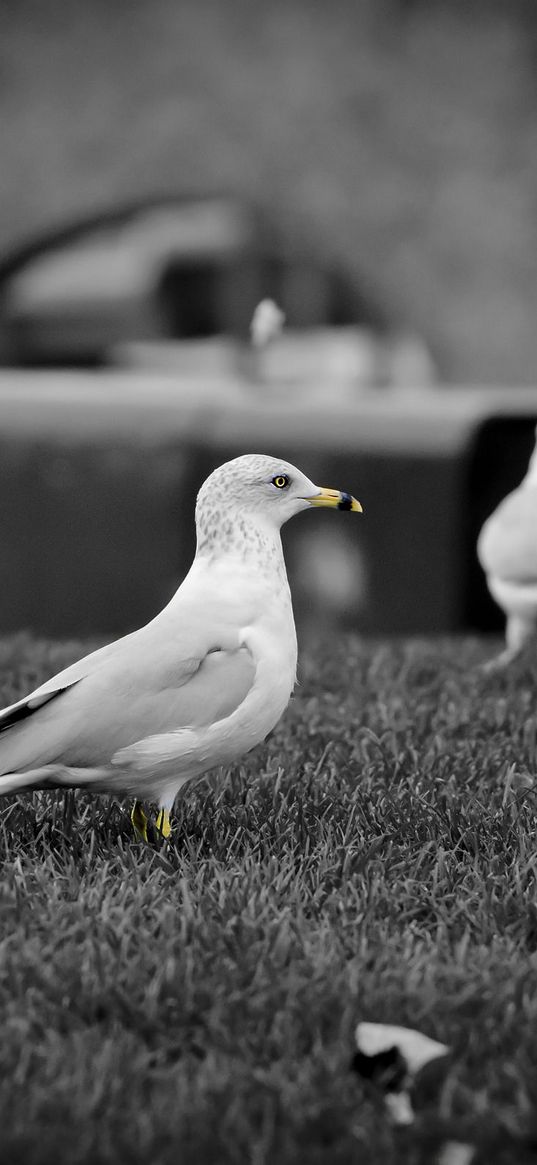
x=195, y=1002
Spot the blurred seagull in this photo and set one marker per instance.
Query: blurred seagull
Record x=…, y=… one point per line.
x=202, y=683
x=267, y=323
x=507, y=551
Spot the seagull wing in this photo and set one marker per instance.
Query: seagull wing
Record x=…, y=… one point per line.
x=58, y=683
x=144, y=684
x=220, y=687
x=507, y=544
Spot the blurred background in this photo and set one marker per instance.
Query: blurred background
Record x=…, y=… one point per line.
x=369, y=164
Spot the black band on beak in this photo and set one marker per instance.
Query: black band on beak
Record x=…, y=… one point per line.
x=346, y=502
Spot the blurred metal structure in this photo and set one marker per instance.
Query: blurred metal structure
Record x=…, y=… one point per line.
x=161, y=269
x=167, y=268
x=99, y=471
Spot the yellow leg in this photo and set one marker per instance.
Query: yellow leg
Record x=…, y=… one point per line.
x=163, y=823
x=139, y=821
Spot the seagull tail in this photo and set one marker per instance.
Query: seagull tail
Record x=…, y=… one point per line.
x=18, y=782
x=49, y=777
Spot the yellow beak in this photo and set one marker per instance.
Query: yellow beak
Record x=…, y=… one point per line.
x=335, y=499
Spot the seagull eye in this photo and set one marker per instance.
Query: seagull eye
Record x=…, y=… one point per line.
x=281, y=481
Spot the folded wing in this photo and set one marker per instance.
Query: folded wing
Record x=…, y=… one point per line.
x=59, y=683
x=108, y=701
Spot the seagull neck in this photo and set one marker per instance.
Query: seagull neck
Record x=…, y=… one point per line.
x=531, y=475
x=239, y=536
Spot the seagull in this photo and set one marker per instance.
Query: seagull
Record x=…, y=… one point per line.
x=267, y=323
x=507, y=551
x=204, y=682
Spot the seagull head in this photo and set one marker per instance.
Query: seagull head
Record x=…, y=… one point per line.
x=260, y=491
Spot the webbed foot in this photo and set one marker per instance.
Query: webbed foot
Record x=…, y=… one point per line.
x=163, y=823
x=140, y=823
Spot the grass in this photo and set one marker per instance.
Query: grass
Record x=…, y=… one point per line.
x=375, y=859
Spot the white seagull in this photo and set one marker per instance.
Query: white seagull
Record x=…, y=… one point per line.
x=507, y=551
x=202, y=683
